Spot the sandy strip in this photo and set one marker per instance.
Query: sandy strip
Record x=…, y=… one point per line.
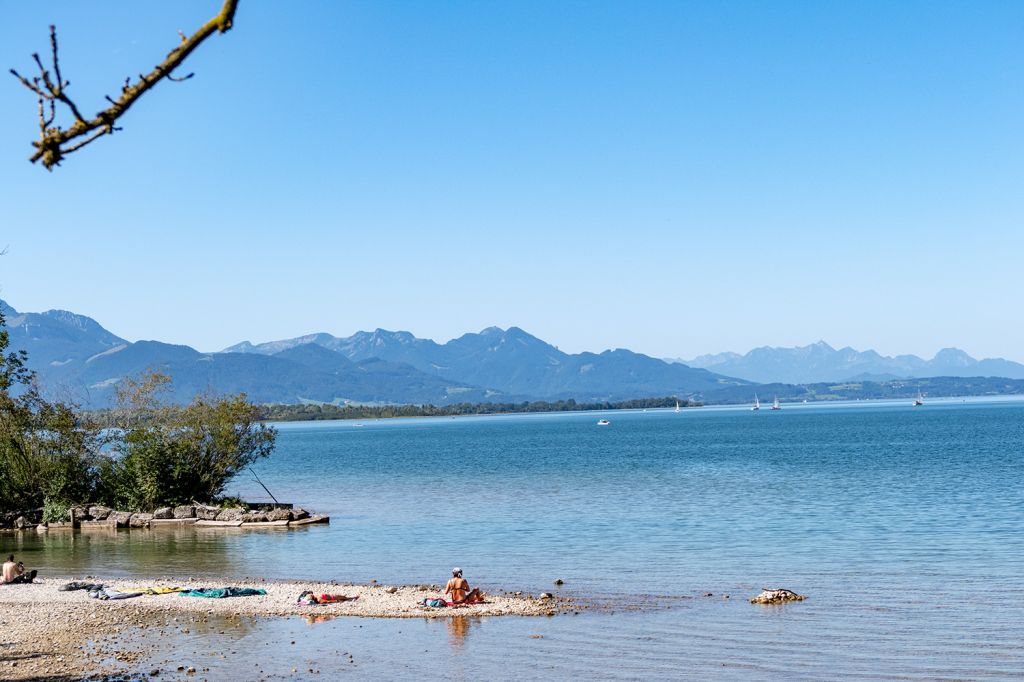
x=49, y=634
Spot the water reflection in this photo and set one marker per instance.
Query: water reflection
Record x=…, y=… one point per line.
x=458, y=631
x=181, y=551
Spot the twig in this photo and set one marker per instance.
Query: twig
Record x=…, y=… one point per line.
x=54, y=142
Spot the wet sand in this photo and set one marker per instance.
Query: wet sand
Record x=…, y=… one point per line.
x=49, y=634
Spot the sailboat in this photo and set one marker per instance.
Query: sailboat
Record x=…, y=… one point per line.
x=677, y=406
x=757, y=404
x=775, y=404
x=919, y=400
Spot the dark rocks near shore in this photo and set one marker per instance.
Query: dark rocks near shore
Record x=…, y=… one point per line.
x=279, y=515
x=100, y=516
x=184, y=512
x=99, y=513
x=205, y=512
x=231, y=514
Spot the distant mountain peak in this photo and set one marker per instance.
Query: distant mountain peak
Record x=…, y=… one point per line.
x=820, y=362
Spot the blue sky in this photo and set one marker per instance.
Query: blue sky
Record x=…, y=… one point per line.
x=676, y=178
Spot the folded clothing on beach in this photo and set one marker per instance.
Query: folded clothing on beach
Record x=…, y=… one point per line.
x=221, y=592
x=105, y=594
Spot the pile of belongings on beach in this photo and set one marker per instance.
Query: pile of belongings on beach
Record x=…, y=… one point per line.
x=221, y=592
x=309, y=599
x=102, y=592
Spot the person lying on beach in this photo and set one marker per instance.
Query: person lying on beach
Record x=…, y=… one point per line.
x=458, y=587
x=309, y=599
x=15, y=572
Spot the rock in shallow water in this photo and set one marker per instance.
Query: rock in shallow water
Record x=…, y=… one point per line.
x=776, y=596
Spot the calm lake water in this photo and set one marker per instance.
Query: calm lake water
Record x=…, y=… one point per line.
x=904, y=526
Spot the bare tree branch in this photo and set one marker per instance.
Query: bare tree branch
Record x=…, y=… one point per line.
x=55, y=142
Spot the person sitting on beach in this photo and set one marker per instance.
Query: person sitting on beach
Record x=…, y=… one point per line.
x=458, y=587
x=15, y=572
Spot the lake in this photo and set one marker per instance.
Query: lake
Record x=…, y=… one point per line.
x=903, y=526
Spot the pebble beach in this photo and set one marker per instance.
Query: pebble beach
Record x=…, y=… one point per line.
x=46, y=633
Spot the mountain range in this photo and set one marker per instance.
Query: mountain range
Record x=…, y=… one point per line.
x=77, y=359
x=820, y=362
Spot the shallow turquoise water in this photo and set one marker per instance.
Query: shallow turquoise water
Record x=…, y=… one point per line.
x=905, y=526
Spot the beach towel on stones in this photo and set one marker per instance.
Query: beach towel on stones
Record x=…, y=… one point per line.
x=221, y=592
x=155, y=590
x=75, y=585
x=106, y=594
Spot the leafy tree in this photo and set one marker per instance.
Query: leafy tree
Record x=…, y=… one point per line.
x=166, y=454
x=47, y=451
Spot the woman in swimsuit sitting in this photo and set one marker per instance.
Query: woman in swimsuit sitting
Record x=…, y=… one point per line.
x=458, y=587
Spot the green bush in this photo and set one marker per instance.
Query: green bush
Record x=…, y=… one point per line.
x=55, y=512
x=156, y=454
x=166, y=455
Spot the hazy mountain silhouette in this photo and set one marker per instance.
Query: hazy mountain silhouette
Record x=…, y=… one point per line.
x=821, y=362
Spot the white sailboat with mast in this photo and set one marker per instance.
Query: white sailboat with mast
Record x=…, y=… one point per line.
x=775, y=404
x=757, y=404
x=677, y=405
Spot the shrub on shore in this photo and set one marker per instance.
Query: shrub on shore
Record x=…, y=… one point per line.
x=154, y=454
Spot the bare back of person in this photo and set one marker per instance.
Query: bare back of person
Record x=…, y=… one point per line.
x=458, y=587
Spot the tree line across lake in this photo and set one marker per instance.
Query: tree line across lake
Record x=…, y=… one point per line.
x=315, y=412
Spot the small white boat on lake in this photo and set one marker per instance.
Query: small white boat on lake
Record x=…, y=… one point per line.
x=757, y=404
x=603, y=422
x=775, y=404
x=919, y=400
x=677, y=406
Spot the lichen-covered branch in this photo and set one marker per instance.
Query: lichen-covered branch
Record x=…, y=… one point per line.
x=50, y=88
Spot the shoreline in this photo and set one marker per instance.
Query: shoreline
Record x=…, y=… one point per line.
x=47, y=633
x=739, y=406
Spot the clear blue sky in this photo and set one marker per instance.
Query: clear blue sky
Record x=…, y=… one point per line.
x=675, y=178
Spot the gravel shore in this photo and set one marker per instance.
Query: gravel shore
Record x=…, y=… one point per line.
x=49, y=634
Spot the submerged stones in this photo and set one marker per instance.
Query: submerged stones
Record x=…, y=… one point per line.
x=776, y=596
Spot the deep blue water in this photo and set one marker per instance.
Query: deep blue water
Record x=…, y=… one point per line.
x=904, y=526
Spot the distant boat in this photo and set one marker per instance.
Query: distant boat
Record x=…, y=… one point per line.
x=677, y=406
x=603, y=422
x=757, y=404
x=775, y=404
x=919, y=400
